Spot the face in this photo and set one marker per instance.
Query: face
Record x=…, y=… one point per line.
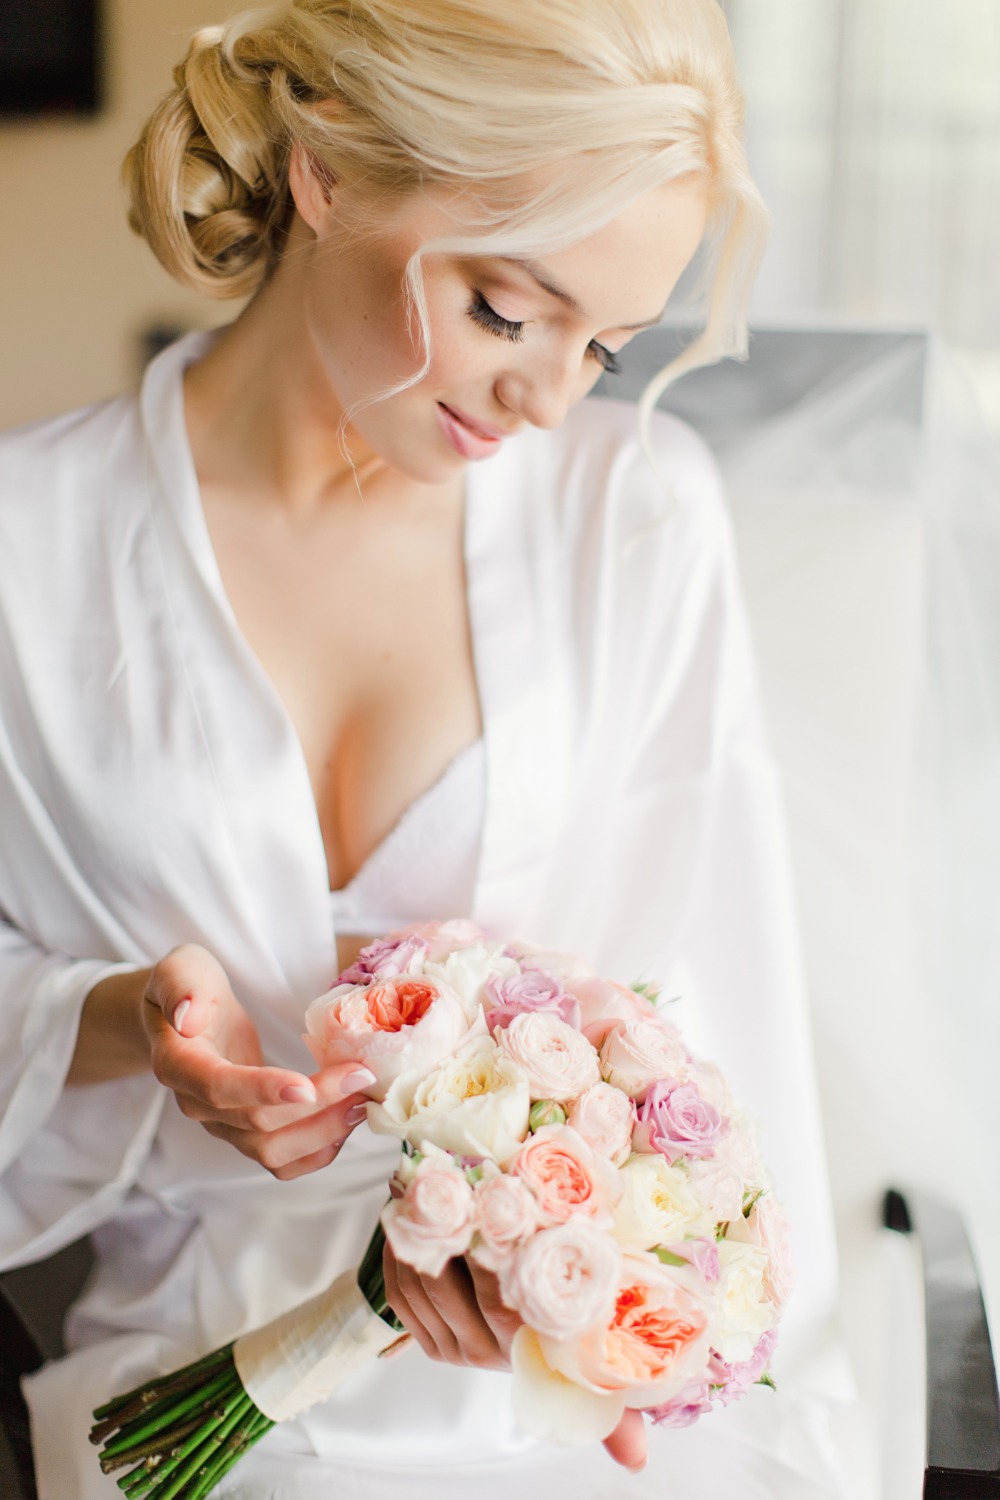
x=512, y=342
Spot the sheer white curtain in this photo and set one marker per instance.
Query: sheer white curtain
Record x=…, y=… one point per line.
x=874, y=131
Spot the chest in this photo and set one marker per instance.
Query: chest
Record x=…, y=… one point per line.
x=358, y=616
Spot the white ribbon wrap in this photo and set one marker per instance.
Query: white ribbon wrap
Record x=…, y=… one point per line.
x=300, y=1358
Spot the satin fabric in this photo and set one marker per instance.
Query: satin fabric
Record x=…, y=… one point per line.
x=152, y=790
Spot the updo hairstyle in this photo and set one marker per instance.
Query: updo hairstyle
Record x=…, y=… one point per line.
x=600, y=100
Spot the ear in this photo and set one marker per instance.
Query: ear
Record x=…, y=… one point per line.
x=313, y=187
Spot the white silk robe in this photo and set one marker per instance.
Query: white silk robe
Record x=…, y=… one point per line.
x=152, y=791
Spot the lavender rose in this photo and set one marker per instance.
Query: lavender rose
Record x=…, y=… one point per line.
x=533, y=990
x=676, y=1121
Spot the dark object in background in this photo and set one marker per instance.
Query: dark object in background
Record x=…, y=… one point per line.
x=50, y=57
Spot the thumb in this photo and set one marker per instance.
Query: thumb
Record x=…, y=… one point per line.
x=185, y=987
x=627, y=1444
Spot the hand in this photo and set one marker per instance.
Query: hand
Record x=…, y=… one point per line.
x=458, y=1317
x=205, y=1049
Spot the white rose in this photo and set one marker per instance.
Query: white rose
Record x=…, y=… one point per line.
x=637, y=1054
x=475, y=1104
x=558, y=1059
x=466, y=970
x=767, y=1225
x=433, y=1220
x=604, y=1116
x=658, y=1206
x=744, y=1311
x=564, y=1280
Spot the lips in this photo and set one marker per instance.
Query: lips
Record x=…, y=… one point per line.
x=468, y=437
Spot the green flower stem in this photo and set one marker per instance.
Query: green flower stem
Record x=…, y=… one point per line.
x=138, y=1430
x=143, y=1396
x=198, y=1444
x=138, y=1481
x=197, y=1459
x=209, y=1475
x=154, y=1448
x=371, y=1280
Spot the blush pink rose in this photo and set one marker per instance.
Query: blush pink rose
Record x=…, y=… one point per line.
x=637, y=1054
x=602, y=1002
x=532, y=991
x=654, y=1344
x=443, y=938
x=393, y=1026
x=558, y=1059
x=506, y=1214
x=719, y=1187
x=568, y=1180
x=433, y=1220
x=604, y=1117
x=564, y=1280
x=676, y=1121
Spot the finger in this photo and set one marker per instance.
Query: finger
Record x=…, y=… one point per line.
x=627, y=1444
x=342, y=1080
x=502, y=1320
x=453, y=1297
x=184, y=985
x=397, y=1300
x=324, y=1131
x=432, y=1332
x=192, y=1066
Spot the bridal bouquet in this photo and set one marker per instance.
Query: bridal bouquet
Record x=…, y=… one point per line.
x=555, y=1129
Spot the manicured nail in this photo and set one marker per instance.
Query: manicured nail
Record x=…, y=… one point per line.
x=299, y=1093
x=353, y=1083
x=179, y=1015
x=403, y=1342
x=356, y=1114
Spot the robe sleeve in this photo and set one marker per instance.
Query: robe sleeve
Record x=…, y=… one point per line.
x=67, y=1156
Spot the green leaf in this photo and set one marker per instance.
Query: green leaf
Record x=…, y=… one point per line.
x=765, y=1379
x=668, y=1258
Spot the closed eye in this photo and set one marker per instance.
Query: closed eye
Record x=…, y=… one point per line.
x=487, y=317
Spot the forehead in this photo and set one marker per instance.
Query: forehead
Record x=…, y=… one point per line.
x=624, y=272
x=619, y=275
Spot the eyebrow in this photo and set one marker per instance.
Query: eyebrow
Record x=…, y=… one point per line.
x=566, y=298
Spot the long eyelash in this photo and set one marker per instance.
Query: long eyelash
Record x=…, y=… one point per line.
x=487, y=317
x=607, y=361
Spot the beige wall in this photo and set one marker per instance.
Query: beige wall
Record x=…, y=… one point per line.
x=76, y=286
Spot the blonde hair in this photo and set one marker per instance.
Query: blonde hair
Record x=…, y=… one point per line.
x=390, y=95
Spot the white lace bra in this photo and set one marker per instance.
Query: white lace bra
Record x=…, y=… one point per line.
x=425, y=867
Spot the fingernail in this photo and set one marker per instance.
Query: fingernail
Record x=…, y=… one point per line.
x=356, y=1114
x=299, y=1093
x=403, y=1342
x=353, y=1083
x=179, y=1015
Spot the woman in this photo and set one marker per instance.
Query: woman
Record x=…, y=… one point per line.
x=287, y=668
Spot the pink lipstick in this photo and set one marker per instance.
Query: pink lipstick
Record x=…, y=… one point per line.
x=469, y=438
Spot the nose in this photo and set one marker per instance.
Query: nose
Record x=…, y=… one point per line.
x=543, y=394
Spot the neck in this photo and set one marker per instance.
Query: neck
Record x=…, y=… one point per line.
x=260, y=411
